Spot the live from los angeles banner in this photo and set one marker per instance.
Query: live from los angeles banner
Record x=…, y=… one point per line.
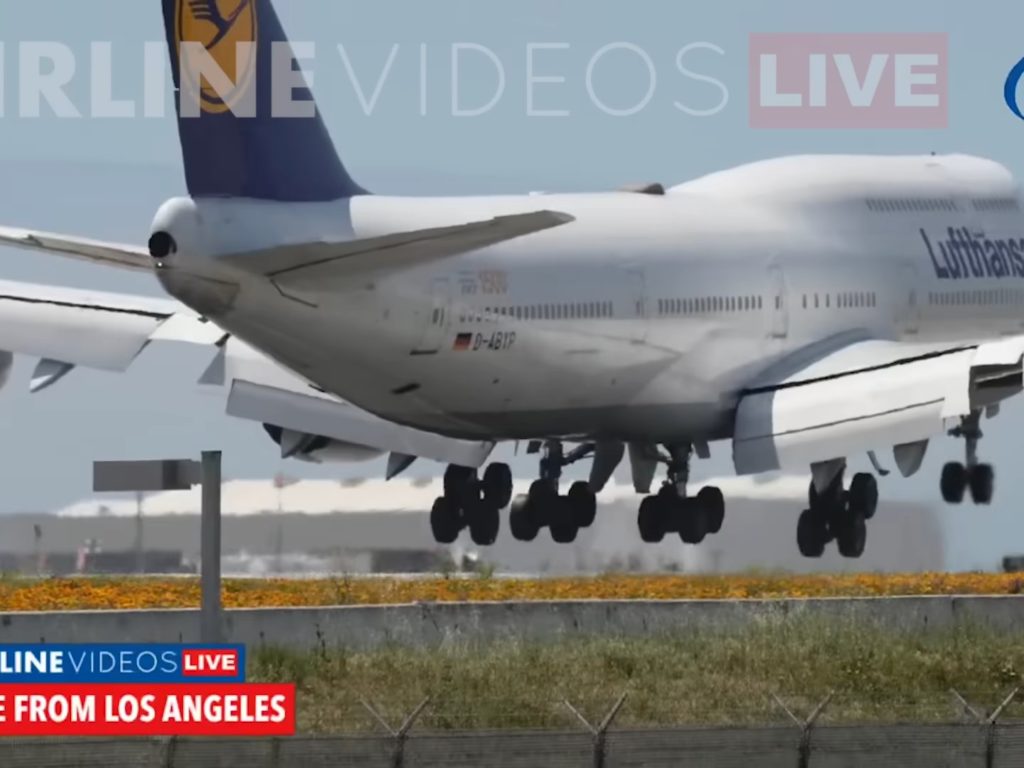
x=138, y=690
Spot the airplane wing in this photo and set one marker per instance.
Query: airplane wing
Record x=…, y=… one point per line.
x=124, y=256
x=67, y=328
x=868, y=395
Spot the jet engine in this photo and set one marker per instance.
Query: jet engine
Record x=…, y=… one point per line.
x=317, y=449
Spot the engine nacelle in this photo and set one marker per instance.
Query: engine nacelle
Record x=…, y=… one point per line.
x=317, y=449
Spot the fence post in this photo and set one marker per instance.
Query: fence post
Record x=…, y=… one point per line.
x=805, y=726
x=601, y=731
x=399, y=735
x=169, y=747
x=989, y=722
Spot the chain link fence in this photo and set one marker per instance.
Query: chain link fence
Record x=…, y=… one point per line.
x=973, y=734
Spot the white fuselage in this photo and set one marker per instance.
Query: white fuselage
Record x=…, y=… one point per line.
x=643, y=319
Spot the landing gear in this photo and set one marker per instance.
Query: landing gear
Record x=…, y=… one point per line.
x=445, y=521
x=670, y=510
x=544, y=506
x=957, y=478
x=839, y=515
x=471, y=503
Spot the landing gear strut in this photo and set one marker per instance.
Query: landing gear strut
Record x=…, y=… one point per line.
x=564, y=515
x=469, y=502
x=838, y=515
x=957, y=477
x=670, y=510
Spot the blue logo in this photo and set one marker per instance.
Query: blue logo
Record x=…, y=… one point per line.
x=1013, y=81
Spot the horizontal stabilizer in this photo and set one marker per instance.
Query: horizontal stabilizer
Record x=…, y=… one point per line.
x=309, y=265
x=124, y=256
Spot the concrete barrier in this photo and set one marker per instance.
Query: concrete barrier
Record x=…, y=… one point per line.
x=432, y=625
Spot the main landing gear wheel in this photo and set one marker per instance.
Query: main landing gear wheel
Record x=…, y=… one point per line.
x=972, y=475
x=544, y=506
x=670, y=510
x=957, y=479
x=838, y=515
x=497, y=485
x=471, y=503
x=863, y=495
x=445, y=521
x=651, y=521
x=521, y=519
x=713, y=502
x=811, y=534
x=851, y=534
x=953, y=482
x=484, y=522
x=561, y=520
x=583, y=502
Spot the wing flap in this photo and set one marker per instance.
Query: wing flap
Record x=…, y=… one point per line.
x=112, y=254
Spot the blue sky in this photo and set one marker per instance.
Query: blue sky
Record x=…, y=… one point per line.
x=105, y=177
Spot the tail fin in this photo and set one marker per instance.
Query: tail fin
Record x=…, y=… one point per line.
x=232, y=144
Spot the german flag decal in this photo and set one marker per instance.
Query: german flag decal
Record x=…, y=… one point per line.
x=462, y=342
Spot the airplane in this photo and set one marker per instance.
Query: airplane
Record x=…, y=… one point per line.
x=806, y=309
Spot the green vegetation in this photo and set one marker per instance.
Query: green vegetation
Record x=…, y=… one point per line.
x=699, y=677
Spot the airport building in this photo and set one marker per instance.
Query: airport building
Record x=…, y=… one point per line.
x=364, y=526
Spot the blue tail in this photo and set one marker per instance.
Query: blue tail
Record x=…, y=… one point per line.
x=232, y=145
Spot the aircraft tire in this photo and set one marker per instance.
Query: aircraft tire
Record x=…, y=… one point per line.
x=852, y=535
x=444, y=521
x=484, y=523
x=863, y=496
x=651, y=521
x=710, y=497
x=811, y=534
x=497, y=485
x=693, y=520
x=982, y=482
x=953, y=482
x=456, y=479
x=562, y=522
x=521, y=519
x=584, y=503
